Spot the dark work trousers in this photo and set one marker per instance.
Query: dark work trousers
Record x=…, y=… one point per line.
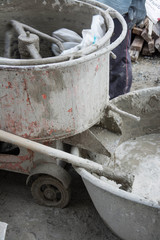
x=120, y=68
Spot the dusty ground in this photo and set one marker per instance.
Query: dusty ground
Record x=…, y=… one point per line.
x=146, y=73
x=80, y=220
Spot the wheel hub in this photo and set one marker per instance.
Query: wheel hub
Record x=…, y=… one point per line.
x=49, y=193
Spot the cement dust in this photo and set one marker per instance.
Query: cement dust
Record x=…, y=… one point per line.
x=141, y=157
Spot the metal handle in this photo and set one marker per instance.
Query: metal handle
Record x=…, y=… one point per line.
x=20, y=28
x=123, y=113
x=76, y=161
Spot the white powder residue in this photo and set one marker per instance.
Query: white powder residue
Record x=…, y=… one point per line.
x=111, y=182
x=141, y=157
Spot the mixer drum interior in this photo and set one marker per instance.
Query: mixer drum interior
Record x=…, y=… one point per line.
x=45, y=16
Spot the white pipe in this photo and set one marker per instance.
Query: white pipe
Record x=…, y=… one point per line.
x=76, y=161
x=49, y=151
x=123, y=113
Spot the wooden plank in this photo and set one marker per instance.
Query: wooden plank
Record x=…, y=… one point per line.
x=146, y=22
x=150, y=27
x=145, y=35
x=137, y=43
x=151, y=46
x=145, y=51
x=142, y=24
x=138, y=31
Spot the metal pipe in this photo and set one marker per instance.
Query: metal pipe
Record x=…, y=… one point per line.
x=33, y=51
x=43, y=35
x=123, y=113
x=18, y=27
x=7, y=46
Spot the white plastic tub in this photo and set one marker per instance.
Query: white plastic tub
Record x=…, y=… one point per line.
x=129, y=216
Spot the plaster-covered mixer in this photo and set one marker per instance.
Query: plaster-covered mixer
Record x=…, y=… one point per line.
x=49, y=98
x=51, y=102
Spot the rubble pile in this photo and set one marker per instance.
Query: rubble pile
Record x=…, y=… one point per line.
x=146, y=39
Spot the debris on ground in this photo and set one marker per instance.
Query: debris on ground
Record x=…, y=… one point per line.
x=146, y=36
x=3, y=228
x=146, y=40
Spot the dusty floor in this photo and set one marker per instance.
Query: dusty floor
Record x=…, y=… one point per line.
x=146, y=73
x=79, y=220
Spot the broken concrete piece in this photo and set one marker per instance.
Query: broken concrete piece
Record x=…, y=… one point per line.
x=157, y=44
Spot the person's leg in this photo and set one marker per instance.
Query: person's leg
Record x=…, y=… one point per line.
x=120, y=68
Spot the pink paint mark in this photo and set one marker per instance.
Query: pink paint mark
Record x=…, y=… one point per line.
x=32, y=127
x=70, y=110
x=44, y=96
x=25, y=84
x=96, y=68
x=25, y=89
x=25, y=135
x=51, y=131
x=9, y=85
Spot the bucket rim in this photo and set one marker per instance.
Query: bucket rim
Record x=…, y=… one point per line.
x=108, y=187
x=114, y=191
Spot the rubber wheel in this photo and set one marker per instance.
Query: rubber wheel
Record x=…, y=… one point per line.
x=50, y=192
